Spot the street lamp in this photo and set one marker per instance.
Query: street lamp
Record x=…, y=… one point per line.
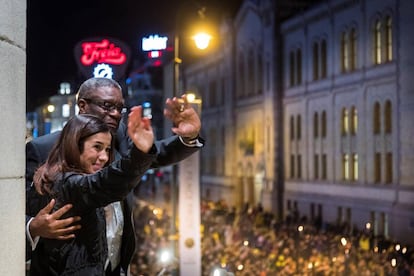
x=297, y=243
x=189, y=207
x=202, y=40
x=192, y=242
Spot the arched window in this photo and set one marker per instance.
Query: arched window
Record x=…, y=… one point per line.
x=299, y=127
x=344, y=52
x=323, y=124
x=388, y=38
x=377, y=42
x=345, y=167
x=355, y=167
x=353, y=49
x=345, y=122
x=377, y=118
x=388, y=117
x=324, y=166
x=299, y=66
x=251, y=73
x=315, y=125
x=324, y=61
x=292, y=69
x=388, y=168
x=316, y=166
x=354, y=120
x=315, y=59
x=377, y=167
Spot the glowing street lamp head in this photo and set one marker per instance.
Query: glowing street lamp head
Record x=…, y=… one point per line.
x=50, y=108
x=191, y=97
x=202, y=40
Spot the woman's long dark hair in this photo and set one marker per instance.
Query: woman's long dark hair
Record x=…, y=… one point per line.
x=65, y=154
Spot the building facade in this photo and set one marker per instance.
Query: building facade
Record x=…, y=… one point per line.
x=309, y=109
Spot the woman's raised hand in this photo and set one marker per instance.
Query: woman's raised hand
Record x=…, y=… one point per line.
x=140, y=129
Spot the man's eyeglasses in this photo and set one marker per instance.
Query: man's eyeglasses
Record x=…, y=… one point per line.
x=107, y=106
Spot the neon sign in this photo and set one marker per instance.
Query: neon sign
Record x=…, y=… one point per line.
x=154, y=42
x=101, y=52
x=103, y=71
x=102, y=56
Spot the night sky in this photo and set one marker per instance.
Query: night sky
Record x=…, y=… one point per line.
x=54, y=28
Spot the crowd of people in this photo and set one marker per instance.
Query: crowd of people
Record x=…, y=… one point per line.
x=252, y=242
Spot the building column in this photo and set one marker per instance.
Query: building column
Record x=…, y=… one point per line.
x=12, y=136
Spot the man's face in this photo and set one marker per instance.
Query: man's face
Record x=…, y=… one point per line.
x=106, y=103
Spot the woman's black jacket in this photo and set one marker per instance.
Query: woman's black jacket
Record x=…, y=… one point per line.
x=86, y=254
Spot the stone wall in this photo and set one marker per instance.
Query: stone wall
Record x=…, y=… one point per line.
x=12, y=135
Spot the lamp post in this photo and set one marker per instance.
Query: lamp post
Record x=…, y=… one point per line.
x=297, y=245
x=174, y=183
x=189, y=172
x=189, y=208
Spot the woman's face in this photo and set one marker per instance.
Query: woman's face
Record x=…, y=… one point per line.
x=95, y=152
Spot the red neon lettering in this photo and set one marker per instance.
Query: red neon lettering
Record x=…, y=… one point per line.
x=101, y=52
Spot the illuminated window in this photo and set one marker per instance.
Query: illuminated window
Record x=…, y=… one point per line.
x=345, y=167
x=377, y=43
x=355, y=167
x=388, y=117
x=344, y=52
x=377, y=167
x=354, y=120
x=65, y=110
x=388, y=38
x=377, y=118
x=315, y=59
x=345, y=122
x=324, y=61
x=64, y=88
x=323, y=124
x=353, y=49
x=388, y=168
x=315, y=125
